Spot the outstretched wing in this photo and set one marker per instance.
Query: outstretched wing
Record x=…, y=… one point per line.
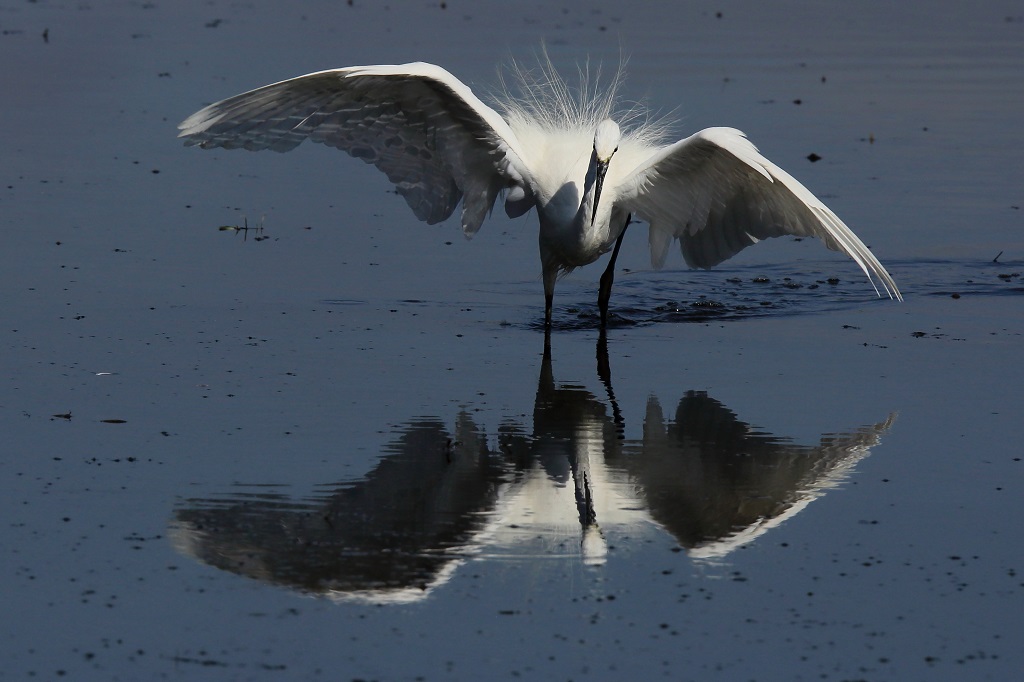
x=718, y=195
x=417, y=123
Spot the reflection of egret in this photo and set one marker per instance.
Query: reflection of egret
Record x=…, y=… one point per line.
x=563, y=487
x=710, y=480
x=553, y=149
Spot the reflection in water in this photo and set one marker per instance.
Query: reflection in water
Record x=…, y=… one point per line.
x=391, y=535
x=437, y=498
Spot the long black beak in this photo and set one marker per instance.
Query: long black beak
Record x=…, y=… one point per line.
x=602, y=168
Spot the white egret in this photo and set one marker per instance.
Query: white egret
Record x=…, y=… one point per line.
x=551, y=149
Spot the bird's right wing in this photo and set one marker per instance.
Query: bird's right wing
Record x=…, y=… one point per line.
x=717, y=194
x=417, y=123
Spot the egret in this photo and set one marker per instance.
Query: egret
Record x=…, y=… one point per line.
x=551, y=148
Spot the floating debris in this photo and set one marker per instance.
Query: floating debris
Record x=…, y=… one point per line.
x=244, y=229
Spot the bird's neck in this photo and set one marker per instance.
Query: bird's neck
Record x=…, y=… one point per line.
x=568, y=229
x=584, y=215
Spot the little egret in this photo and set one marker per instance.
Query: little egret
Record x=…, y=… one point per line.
x=553, y=149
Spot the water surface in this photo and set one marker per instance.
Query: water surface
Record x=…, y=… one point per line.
x=344, y=450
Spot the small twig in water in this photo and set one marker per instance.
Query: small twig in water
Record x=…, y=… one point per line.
x=244, y=229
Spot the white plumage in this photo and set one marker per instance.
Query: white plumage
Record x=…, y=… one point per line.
x=552, y=149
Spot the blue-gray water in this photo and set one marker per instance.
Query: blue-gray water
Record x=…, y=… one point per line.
x=341, y=451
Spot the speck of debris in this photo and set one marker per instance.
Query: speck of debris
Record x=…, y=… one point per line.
x=813, y=158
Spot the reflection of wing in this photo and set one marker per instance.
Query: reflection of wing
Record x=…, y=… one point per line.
x=390, y=537
x=718, y=195
x=715, y=483
x=417, y=123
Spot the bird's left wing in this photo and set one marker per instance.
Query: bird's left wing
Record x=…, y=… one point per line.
x=717, y=195
x=417, y=123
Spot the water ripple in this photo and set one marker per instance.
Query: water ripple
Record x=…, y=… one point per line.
x=682, y=296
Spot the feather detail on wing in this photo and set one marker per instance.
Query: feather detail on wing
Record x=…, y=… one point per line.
x=717, y=195
x=425, y=129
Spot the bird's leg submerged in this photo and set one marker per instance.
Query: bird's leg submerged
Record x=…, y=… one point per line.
x=605, y=292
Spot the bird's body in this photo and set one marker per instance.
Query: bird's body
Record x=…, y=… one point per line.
x=551, y=150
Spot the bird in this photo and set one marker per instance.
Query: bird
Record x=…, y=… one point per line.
x=554, y=148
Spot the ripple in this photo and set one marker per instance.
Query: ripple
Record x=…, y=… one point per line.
x=681, y=296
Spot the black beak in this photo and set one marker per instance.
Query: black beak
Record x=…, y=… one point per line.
x=602, y=168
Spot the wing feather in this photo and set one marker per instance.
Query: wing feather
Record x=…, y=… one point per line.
x=718, y=195
x=418, y=124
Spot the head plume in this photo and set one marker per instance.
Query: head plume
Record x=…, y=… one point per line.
x=540, y=96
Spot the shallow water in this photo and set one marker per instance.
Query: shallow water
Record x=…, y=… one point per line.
x=339, y=447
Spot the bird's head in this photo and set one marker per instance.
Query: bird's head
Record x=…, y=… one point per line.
x=606, y=140
x=606, y=143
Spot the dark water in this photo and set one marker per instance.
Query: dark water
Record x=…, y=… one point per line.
x=339, y=447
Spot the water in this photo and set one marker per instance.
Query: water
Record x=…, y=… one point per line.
x=344, y=451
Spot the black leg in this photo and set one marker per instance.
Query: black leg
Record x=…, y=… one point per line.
x=604, y=372
x=549, y=275
x=605, y=292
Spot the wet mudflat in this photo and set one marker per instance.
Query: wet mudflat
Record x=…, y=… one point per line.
x=339, y=447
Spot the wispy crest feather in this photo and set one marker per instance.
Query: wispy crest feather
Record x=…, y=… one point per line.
x=538, y=96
